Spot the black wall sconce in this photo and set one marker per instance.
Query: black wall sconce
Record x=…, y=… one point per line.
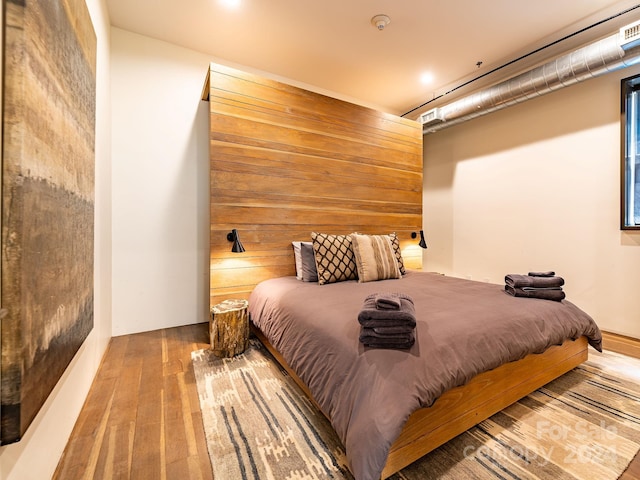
x=233, y=236
x=421, y=243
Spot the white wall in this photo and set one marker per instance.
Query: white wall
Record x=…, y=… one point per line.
x=36, y=455
x=161, y=184
x=536, y=187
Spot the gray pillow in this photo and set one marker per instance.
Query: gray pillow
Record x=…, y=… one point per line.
x=305, y=261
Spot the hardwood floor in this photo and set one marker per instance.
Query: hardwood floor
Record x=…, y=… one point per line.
x=142, y=419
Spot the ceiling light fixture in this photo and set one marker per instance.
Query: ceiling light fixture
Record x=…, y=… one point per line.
x=380, y=21
x=426, y=78
x=230, y=3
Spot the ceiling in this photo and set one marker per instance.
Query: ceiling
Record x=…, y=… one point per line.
x=330, y=46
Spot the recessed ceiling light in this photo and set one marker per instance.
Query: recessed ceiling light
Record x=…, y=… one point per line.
x=426, y=78
x=230, y=3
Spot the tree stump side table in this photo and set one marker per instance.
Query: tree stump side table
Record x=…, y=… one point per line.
x=229, y=328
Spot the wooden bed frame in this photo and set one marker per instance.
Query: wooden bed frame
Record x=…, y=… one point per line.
x=463, y=407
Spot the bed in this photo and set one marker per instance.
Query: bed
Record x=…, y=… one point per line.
x=477, y=350
x=285, y=161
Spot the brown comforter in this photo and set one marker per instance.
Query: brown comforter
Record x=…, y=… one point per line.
x=463, y=328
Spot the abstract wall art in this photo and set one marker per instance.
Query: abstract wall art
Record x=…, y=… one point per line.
x=48, y=149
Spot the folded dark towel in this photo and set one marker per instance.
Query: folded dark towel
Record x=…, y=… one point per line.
x=388, y=301
x=371, y=333
x=393, y=330
x=542, y=274
x=394, y=346
x=400, y=343
x=372, y=317
x=549, y=293
x=519, y=281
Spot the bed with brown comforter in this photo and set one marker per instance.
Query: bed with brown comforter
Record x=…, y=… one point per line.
x=463, y=328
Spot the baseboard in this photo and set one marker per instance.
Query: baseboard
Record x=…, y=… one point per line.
x=621, y=344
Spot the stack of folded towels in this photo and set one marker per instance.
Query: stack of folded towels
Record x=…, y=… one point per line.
x=388, y=320
x=544, y=285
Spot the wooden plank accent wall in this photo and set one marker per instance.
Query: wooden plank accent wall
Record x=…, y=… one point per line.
x=286, y=162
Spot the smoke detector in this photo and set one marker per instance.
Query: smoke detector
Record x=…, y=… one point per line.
x=380, y=21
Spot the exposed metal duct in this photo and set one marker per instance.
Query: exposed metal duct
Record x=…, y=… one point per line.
x=615, y=52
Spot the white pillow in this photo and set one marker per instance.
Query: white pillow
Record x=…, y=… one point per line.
x=297, y=253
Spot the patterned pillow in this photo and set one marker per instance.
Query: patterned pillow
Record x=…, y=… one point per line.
x=334, y=258
x=395, y=243
x=375, y=258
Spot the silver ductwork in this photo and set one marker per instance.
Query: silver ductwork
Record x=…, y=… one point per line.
x=609, y=54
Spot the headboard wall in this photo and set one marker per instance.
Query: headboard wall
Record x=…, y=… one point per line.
x=286, y=162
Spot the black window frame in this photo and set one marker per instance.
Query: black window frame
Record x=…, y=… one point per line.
x=628, y=86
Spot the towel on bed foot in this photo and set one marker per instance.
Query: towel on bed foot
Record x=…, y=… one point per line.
x=388, y=301
x=370, y=316
x=393, y=330
x=549, y=293
x=371, y=333
x=550, y=273
x=395, y=346
x=370, y=339
x=518, y=281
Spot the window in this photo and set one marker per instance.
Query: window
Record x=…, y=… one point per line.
x=630, y=165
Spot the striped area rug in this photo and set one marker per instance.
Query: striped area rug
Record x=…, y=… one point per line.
x=583, y=425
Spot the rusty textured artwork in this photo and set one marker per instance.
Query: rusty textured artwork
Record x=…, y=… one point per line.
x=47, y=200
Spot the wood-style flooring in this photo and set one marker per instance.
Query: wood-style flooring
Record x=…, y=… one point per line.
x=142, y=418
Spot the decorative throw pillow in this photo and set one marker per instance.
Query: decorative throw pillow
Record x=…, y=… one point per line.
x=309, y=272
x=375, y=258
x=297, y=255
x=334, y=258
x=305, y=261
x=395, y=243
